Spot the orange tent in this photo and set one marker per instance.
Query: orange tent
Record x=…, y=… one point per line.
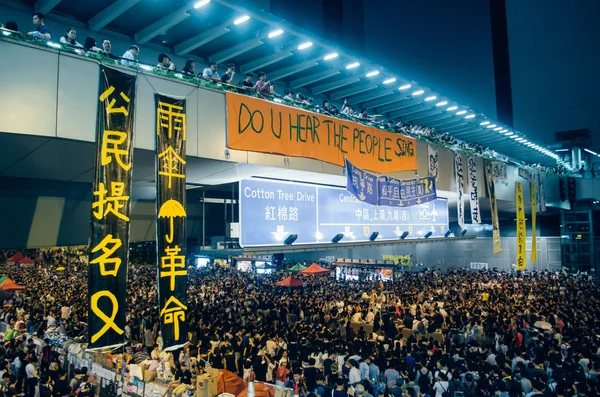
x=314, y=269
x=15, y=258
x=260, y=390
x=228, y=382
x=291, y=281
x=9, y=285
x=27, y=261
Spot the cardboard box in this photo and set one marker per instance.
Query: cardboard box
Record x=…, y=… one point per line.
x=149, y=376
x=206, y=385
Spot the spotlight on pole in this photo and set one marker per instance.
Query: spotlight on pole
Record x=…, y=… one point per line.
x=374, y=236
x=448, y=233
x=429, y=233
x=290, y=239
x=337, y=238
x=404, y=235
x=463, y=232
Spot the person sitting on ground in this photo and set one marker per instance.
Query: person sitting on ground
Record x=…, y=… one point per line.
x=69, y=38
x=188, y=69
x=263, y=86
x=41, y=31
x=210, y=73
x=227, y=78
x=165, y=62
x=129, y=56
x=247, y=83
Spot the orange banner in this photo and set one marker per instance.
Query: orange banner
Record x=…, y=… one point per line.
x=257, y=125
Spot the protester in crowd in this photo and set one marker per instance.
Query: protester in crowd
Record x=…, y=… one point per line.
x=263, y=86
x=69, y=38
x=247, y=83
x=165, y=62
x=288, y=95
x=41, y=30
x=210, y=73
x=188, y=69
x=90, y=44
x=229, y=73
x=129, y=57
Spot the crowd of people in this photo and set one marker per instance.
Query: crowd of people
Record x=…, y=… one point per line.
x=455, y=334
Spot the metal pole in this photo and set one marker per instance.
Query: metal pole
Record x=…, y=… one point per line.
x=203, y=219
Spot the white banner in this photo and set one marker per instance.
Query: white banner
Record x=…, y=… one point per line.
x=500, y=172
x=433, y=162
x=473, y=190
x=541, y=192
x=479, y=265
x=459, y=176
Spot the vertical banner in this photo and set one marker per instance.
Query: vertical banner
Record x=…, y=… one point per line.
x=362, y=184
x=109, y=234
x=491, y=190
x=521, y=231
x=433, y=163
x=542, y=192
x=473, y=190
x=170, y=222
x=533, y=221
x=460, y=188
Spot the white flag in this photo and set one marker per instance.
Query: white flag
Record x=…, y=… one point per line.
x=473, y=190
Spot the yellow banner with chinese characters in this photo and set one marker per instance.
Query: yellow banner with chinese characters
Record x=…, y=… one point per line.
x=109, y=239
x=171, y=220
x=533, y=221
x=521, y=228
x=257, y=125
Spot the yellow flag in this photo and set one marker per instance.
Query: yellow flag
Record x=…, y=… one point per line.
x=521, y=231
x=533, y=219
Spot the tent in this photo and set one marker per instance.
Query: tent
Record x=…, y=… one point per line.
x=27, y=261
x=260, y=390
x=314, y=269
x=228, y=382
x=296, y=268
x=15, y=258
x=291, y=281
x=9, y=285
x=2, y=279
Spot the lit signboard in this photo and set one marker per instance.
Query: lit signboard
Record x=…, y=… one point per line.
x=272, y=210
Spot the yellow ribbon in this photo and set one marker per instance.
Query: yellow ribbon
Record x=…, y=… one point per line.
x=109, y=322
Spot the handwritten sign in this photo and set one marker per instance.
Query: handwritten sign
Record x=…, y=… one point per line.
x=257, y=125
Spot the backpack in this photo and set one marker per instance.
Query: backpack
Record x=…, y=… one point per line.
x=423, y=381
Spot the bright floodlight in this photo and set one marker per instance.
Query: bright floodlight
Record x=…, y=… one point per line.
x=491, y=126
x=461, y=112
x=404, y=87
x=508, y=133
x=373, y=73
x=470, y=116
x=306, y=45
x=589, y=151
x=497, y=128
x=419, y=92
x=430, y=98
x=504, y=130
x=275, y=33
x=352, y=65
x=443, y=103
x=520, y=139
x=389, y=81
x=241, y=20
x=514, y=137
x=451, y=108
x=484, y=123
x=201, y=3
x=331, y=56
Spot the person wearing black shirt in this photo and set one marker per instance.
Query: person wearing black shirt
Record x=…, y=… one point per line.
x=247, y=83
x=61, y=385
x=228, y=76
x=310, y=374
x=184, y=375
x=261, y=365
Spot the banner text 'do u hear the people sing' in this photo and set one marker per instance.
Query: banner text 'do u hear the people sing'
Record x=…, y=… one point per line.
x=260, y=126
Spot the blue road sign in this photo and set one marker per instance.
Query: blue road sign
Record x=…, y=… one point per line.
x=272, y=210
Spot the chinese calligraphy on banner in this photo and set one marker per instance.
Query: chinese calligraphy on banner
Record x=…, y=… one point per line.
x=521, y=232
x=459, y=175
x=500, y=173
x=109, y=235
x=542, y=192
x=257, y=125
x=473, y=190
x=171, y=219
x=491, y=189
x=382, y=190
x=533, y=221
x=433, y=162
